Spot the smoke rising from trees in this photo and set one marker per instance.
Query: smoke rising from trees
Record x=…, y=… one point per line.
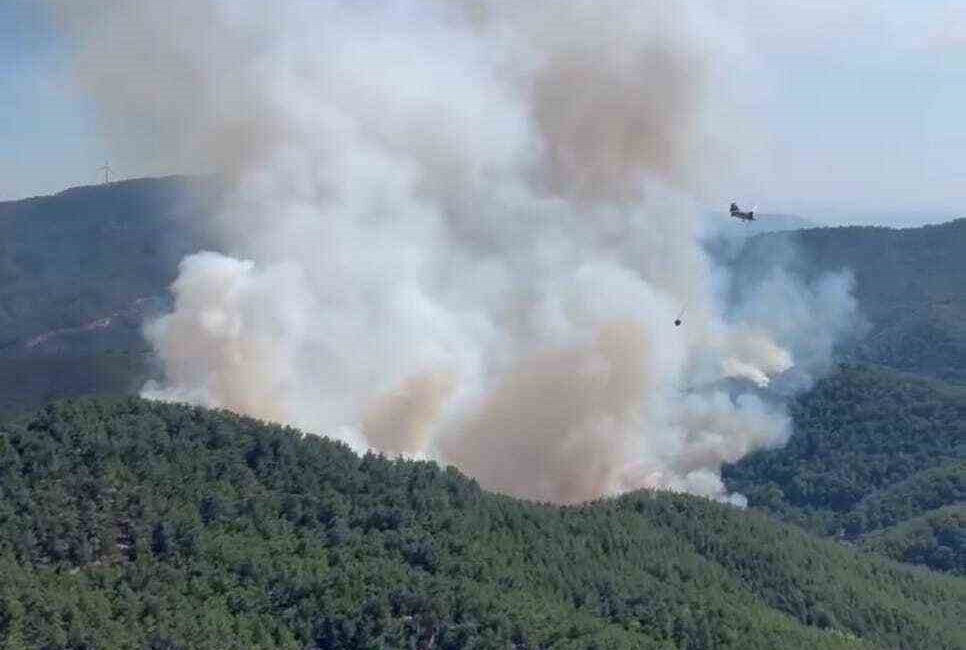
x=457, y=230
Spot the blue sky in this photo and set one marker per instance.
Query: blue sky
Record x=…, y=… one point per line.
x=860, y=104
x=47, y=129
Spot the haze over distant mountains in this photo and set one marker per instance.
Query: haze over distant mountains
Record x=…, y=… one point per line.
x=910, y=284
x=103, y=256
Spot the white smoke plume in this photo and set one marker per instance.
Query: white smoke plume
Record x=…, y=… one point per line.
x=458, y=230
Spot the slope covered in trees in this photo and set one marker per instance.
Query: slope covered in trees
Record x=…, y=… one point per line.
x=871, y=449
x=79, y=273
x=79, y=256
x=130, y=524
x=910, y=285
x=936, y=539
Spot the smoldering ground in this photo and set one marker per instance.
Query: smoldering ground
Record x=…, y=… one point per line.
x=457, y=230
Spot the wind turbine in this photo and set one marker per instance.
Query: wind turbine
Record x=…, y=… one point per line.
x=107, y=172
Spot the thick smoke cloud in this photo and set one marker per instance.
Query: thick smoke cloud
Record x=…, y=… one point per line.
x=457, y=230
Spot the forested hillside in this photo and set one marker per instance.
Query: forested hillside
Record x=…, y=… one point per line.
x=910, y=284
x=82, y=255
x=936, y=539
x=871, y=450
x=130, y=524
x=878, y=457
x=79, y=273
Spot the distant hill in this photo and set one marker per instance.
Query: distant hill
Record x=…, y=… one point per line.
x=102, y=258
x=131, y=524
x=876, y=458
x=878, y=453
x=936, y=539
x=70, y=260
x=79, y=273
x=910, y=284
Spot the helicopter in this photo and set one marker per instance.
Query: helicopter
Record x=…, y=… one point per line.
x=744, y=216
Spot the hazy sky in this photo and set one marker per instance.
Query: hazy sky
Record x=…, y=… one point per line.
x=857, y=106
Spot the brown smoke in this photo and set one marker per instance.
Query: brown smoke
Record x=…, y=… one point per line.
x=558, y=427
x=604, y=128
x=400, y=422
x=464, y=227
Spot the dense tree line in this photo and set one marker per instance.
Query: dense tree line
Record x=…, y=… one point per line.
x=923, y=492
x=131, y=524
x=871, y=449
x=937, y=539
